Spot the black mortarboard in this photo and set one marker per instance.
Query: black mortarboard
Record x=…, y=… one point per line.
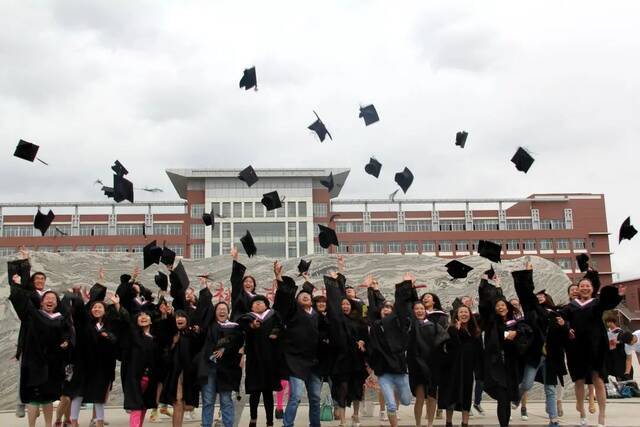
x=308, y=288
x=108, y=191
x=583, y=262
x=249, y=79
x=161, y=280
x=248, y=175
x=271, y=200
x=327, y=236
x=180, y=274
x=461, y=139
x=457, y=270
x=489, y=250
x=319, y=128
x=22, y=268
x=303, y=266
x=27, y=151
x=119, y=168
x=151, y=254
x=404, y=179
x=522, y=159
x=369, y=114
x=373, y=167
x=248, y=245
x=168, y=256
x=122, y=189
x=328, y=182
x=541, y=291
x=42, y=221
x=627, y=231
x=209, y=219
x=98, y=292
x=491, y=273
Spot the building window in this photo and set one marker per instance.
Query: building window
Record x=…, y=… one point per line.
x=17, y=231
x=512, y=245
x=102, y=249
x=226, y=209
x=197, y=210
x=529, y=245
x=519, y=224
x=429, y=246
x=197, y=251
x=248, y=209
x=260, y=210
x=562, y=244
x=269, y=237
x=215, y=248
x=358, y=248
x=197, y=231
x=452, y=225
x=291, y=209
x=302, y=248
x=564, y=263
x=302, y=208
x=445, y=246
x=384, y=226
x=302, y=231
x=376, y=247
x=129, y=229
x=215, y=208
x=64, y=249
x=485, y=224
x=461, y=246
x=237, y=209
x=395, y=247
x=64, y=228
x=226, y=231
x=179, y=249
x=319, y=209
x=7, y=251
x=349, y=227
x=94, y=230
x=281, y=211
x=292, y=249
x=168, y=229
x=552, y=224
x=317, y=249
x=411, y=247
x=136, y=249
x=579, y=244
x=417, y=225
x=83, y=248
x=291, y=229
x=120, y=249
x=546, y=244
x=45, y=249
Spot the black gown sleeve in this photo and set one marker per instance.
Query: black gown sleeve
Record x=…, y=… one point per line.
x=375, y=300
x=237, y=273
x=488, y=295
x=285, y=299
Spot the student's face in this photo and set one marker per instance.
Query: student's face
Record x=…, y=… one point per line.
x=258, y=307
x=248, y=284
x=419, y=311
x=49, y=303
x=467, y=301
x=222, y=313
x=144, y=320
x=97, y=311
x=541, y=298
x=585, y=289
x=345, y=305
x=501, y=309
x=464, y=314
x=351, y=293
x=386, y=310
x=39, y=281
x=321, y=306
x=190, y=295
x=427, y=300
x=634, y=340
x=516, y=304
x=573, y=292
x=181, y=322
x=304, y=299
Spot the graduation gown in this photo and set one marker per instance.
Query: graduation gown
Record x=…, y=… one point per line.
x=439, y=317
x=230, y=337
x=141, y=358
x=262, y=356
x=326, y=349
x=300, y=336
x=182, y=363
x=240, y=299
x=586, y=352
x=425, y=354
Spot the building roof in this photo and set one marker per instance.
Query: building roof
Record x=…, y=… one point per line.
x=180, y=177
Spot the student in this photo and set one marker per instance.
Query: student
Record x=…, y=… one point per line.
x=632, y=345
x=617, y=356
x=243, y=288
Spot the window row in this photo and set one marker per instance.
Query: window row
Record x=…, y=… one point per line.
x=163, y=229
x=178, y=249
x=379, y=226
x=251, y=210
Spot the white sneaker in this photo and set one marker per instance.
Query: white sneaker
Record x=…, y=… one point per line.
x=584, y=422
x=383, y=416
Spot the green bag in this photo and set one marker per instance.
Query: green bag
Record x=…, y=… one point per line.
x=326, y=412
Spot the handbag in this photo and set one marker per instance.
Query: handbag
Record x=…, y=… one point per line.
x=326, y=409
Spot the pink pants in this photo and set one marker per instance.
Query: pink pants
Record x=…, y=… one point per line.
x=136, y=417
x=280, y=394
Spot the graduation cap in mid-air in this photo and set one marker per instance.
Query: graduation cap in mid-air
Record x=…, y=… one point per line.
x=248, y=244
x=328, y=182
x=122, y=189
x=627, y=231
x=457, y=269
x=327, y=236
x=108, y=191
x=491, y=273
x=373, y=167
x=151, y=254
x=42, y=221
x=271, y=200
x=522, y=159
x=248, y=175
x=583, y=262
x=28, y=151
x=98, y=292
x=209, y=219
x=168, y=256
x=404, y=179
x=461, y=138
x=249, y=79
x=119, y=169
x=162, y=281
x=489, y=250
x=303, y=266
x=369, y=114
x=319, y=128
x=179, y=275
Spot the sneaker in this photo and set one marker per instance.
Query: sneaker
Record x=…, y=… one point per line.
x=279, y=414
x=514, y=405
x=190, y=415
x=154, y=416
x=166, y=411
x=438, y=414
x=478, y=409
x=583, y=421
x=523, y=413
x=383, y=416
x=20, y=410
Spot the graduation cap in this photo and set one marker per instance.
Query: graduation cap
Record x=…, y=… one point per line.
x=328, y=182
x=271, y=200
x=369, y=114
x=161, y=280
x=248, y=175
x=303, y=266
x=541, y=291
x=457, y=270
x=373, y=167
x=461, y=139
x=27, y=151
x=42, y=221
x=248, y=245
x=22, y=268
x=308, y=288
x=180, y=275
x=108, y=191
x=491, y=273
x=404, y=179
x=209, y=219
x=119, y=169
x=489, y=250
x=249, y=79
x=627, y=231
x=151, y=254
x=168, y=256
x=522, y=159
x=583, y=262
x=122, y=189
x=319, y=128
x=98, y=292
x=327, y=236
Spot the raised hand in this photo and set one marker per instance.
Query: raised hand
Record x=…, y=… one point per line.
x=341, y=264
x=306, y=276
x=136, y=272
x=24, y=252
x=408, y=276
x=368, y=281
x=510, y=336
x=234, y=253
x=277, y=269
x=101, y=275
x=114, y=298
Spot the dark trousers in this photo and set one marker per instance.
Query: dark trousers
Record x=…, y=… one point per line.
x=267, y=399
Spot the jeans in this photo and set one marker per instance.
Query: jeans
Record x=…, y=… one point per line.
x=209, y=401
x=313, y=384
x=529, y=377
x=401, y=383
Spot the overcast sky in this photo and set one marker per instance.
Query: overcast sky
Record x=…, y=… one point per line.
x=155, y=85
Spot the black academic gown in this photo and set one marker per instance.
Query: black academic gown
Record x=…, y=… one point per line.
x=240, y=299
x=182, y=366
x=230, y=337
x=425, y=355
x=300, y=336
x=586, y=352
x=141, y=358
x=439, y=317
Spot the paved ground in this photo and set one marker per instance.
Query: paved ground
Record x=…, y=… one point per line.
x=621, y=413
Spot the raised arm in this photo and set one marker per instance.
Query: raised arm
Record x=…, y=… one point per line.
x=285, y=299
x=374, y=298
x=237, y=273
x=523, y=282
x=405, y=295
x=488, y=295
